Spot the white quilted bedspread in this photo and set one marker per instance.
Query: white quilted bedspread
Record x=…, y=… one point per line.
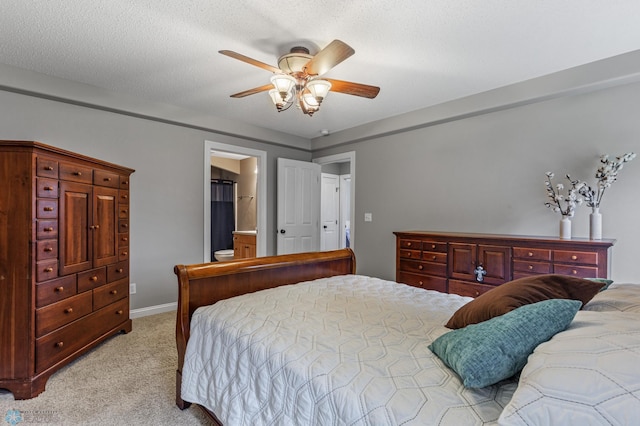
x=348, y=350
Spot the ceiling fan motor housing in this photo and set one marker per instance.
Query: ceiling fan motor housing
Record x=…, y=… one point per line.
x=293, y=62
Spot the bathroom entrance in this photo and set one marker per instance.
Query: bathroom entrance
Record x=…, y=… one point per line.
x=234, y=212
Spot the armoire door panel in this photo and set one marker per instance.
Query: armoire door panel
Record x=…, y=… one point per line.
x=105, y=225
x=75, y=239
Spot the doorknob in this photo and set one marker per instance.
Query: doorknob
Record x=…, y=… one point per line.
x=282, y=231
x=325, y=226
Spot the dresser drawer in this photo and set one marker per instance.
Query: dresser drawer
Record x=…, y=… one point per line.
x=427, y=282
x=88, y=280
x=123, y=211
x=124, y=182
x=46, y=270
x=46, y=188
x=123, y=225
x=464, y=288
x=47, y=208
x=123, y=197
x=123, y=240
x=531, y=267
x=46, y=229
x=76, y=173
x=63, y=312
x=56, y=346
x=117, y=271
x=438, y=269
x=123, y=253
x=434, y=256
x=46, y=249
x=577, y=257
x=532, y=254
x=55, y=290
x=47, y=167
x=410, y=254
x=434, y=246
x=410, y=244
x=576, y=271
x=104, y=178
x=110, y=293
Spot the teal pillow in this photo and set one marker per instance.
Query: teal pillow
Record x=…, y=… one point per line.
x=605, y=282
x=485, y=353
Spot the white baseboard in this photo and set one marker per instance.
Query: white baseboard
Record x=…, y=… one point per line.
x=152, y=310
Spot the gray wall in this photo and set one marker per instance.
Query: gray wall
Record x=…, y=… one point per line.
x=485, y=173
x=166, y=189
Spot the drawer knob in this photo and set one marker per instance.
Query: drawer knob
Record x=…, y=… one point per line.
x=68, y=310
x=107, y=179
x=434, y=257
x=408, y=244
x=530, y=267
x=119, y=270
x=48, y=269
x=114, y=291
x=574, y=272
x=120, y=312
x=124, y=253
x=125, y=196
x=48, y=168
x=60, y=289
x=48, y=229
x=574, y=257
x=409, y=254
x=59, y=344
x=94, y=278
x=77, y=173
x=420, y=282
x=48, y=209
x=433, y=246
x=125, y=239
x=126, y=182
x=48, y=188
x=48, y=249
x=477, y=293
x=530, y=254
x=420, y=267
x=124, y=225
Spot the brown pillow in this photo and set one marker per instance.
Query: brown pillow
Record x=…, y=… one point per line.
x=523, y=291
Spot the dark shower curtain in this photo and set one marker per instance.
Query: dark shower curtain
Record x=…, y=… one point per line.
x=222, y=220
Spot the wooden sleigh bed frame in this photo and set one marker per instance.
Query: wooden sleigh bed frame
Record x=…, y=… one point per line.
x=207, y=283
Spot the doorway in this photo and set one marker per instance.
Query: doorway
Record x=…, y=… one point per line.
x=225, y=150
x=343, y=166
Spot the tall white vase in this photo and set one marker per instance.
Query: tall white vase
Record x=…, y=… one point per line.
x=565, y=228
x=595, y=224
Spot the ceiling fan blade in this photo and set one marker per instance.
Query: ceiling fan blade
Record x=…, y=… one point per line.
x=249, y=60
x=336, y=52
x=253, y=91
x=355, y=89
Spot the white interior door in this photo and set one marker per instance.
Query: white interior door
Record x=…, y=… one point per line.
x=345, y=211
x=329, y=212
x=298, y=206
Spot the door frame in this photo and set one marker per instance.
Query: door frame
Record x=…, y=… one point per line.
x=261, y=194
x=346, y=157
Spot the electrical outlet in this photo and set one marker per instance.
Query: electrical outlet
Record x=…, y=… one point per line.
x=132, y=288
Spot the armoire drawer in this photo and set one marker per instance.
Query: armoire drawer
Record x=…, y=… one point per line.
x=56, y=346
x=63, y=312
x=428, y=282
x=464, y=288
x=55, y=290
x=110, y=293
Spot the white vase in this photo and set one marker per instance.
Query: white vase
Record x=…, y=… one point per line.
x=595, y=224
x=565, y=228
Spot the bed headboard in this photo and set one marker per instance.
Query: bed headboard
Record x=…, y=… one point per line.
x=206, y=283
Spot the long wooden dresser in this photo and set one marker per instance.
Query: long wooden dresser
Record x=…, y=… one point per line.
x=471, y=264
x=64, y=260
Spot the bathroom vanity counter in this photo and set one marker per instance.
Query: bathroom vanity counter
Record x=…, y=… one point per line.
x=244, y=244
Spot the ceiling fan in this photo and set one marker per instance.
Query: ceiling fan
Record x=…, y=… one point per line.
x=296, y=79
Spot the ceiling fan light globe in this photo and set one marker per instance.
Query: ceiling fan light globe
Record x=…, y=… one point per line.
x=294, y=62
x=283, y=84
x=319, y=89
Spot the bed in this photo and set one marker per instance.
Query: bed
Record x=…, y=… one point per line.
x=315, y=343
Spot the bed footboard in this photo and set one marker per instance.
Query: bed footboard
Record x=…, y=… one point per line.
x=206, y=283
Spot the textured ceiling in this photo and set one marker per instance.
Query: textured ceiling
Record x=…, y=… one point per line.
x=420, y=52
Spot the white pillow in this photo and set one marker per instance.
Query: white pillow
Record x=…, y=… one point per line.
x=618, y=297
x=585, y=375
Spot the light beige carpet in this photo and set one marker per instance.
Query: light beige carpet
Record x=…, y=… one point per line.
x=127, y=380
